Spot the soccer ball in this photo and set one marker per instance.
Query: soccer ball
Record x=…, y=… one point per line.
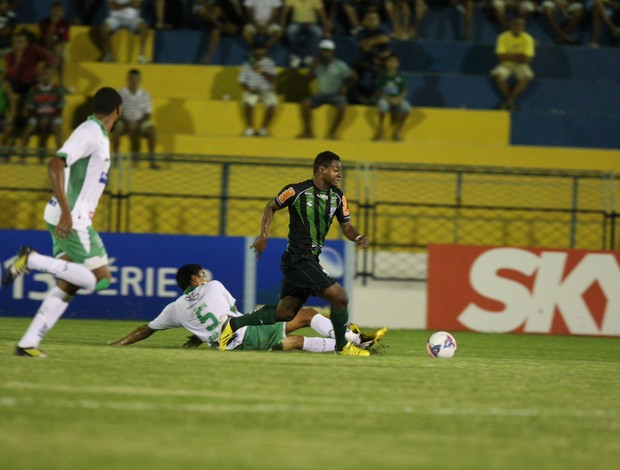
x=441, y=344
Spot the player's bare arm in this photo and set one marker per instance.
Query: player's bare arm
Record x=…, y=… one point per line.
x=261, y=241
x=56, y=171
x=140, y=333
x=354, y=235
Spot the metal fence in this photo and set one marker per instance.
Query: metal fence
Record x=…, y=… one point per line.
x=403, y=207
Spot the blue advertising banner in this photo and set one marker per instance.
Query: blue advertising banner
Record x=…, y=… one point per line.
x=143, y=269
x=269, y=275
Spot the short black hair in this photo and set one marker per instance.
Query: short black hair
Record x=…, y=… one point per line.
x=106, y=100
x=324, y=159
x=134, y=72
x=185, y=273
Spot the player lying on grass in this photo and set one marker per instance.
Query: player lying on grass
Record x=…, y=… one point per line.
x=205, y=304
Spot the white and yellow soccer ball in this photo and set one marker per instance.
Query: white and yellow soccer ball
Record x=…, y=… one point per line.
x=441, y=344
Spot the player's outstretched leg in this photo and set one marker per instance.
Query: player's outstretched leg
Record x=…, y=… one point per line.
x=367, y=340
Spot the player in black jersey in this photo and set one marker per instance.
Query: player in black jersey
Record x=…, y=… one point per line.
x=312, y=205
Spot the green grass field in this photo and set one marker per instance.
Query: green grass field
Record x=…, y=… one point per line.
x=504, y=401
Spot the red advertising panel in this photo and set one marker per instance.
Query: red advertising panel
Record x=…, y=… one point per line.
x=523, y=290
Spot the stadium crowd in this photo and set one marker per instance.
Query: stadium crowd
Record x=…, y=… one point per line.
x=31, y=101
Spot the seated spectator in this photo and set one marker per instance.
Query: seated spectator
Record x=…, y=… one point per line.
x=563, y=16
x=123, y=14
x=262, y=22
x=520, y=8
x=333, y=78
x=354, y=11
x=602, y=13
x=216, y=17
x=399, y=12
x=8, y=111
x=304, y=32
x=257, y=77
x=392, y=97
x=515, y=50
x=54, y=35
x=8, y=20
x=44, y=105
x=22, y=68
x=135, y=119
x=373, y=43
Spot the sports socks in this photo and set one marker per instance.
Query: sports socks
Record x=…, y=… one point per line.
x=266, y=315
x=322, y=325
x=340, y=318
x=73, y=273
x=51, y=309
x=319, y=345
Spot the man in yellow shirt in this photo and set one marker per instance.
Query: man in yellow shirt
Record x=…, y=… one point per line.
x=515, y=50
x=308, y=23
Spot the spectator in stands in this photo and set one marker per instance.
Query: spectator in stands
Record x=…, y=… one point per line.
x=563, y=16
x=257, y=77
x=333, y=79
x=54, y=35
x=304, y=31
x=86, y=11
x=399, y=12
x=466, y=7
x=373, y=47
x=603, y=12
x=22, y=67
x=520, y=8
x=392, y=97
x=8, y=111
x=8, y=20
x=44, y=106
x=262, y=22
x=135, y=119
x=515, y=50
x=123, y=14
x=216, y=17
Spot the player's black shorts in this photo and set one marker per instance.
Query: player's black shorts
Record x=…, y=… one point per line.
x=303, y=276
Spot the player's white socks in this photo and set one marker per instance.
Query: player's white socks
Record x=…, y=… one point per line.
x=319, y=345
x=322, y=325
x=51, y=309
x=73, y=273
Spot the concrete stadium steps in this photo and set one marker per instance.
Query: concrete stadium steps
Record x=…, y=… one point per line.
x=201, y=117
x=125, y=45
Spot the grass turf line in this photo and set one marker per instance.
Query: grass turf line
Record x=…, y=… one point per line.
x=504, y=401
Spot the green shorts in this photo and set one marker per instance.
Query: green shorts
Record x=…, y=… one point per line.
x=84, y=246
x=262, y=337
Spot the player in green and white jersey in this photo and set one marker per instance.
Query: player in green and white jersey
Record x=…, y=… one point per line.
x=203, y=305
x=78, y=175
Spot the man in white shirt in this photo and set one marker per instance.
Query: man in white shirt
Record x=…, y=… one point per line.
x=262, y=18
x=257, y=76
x=136, y=118
x=205, y=304
x=78, y=175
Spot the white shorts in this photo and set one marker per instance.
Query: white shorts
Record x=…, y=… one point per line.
x=508, y=69
x=119, y=19
x=268, y=98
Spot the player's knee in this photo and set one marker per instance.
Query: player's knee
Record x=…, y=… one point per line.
x=285, y=315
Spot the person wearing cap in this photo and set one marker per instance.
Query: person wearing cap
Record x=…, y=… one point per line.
x=333, y=79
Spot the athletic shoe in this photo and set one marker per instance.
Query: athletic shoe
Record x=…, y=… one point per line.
x=351, y=350
x=18, y=267
x=142, y=59
x=249, y=132
x=263, y=133
x=226, y=331
x=367, y=340
x=294, y=61
x=30, y=352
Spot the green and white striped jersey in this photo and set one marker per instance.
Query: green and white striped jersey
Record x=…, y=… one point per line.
x=87, y=155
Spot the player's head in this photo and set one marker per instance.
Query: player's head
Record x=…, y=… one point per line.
x=190, y=274
x=328, y=167
x=133, y=79
x=392, y=62
x=517, y=26
x=107, y=101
